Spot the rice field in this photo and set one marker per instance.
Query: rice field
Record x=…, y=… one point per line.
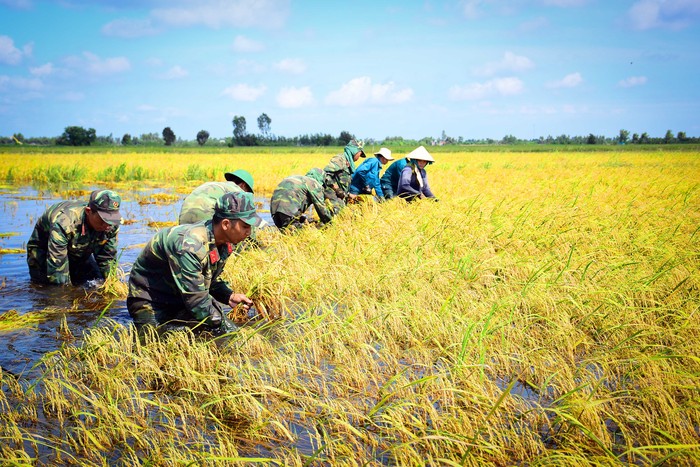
x=544, y=312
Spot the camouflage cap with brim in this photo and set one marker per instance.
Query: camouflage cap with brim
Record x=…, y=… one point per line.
x=237, y=206
x=106, y=203
x=359, y=144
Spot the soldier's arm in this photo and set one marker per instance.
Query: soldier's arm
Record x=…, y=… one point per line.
x=189, y=279
x=220, y=288
x=319, y=202
x=57, y=271
x=106, y=254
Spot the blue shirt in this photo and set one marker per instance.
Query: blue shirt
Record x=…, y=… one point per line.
x=367, y=175
x=390, y=179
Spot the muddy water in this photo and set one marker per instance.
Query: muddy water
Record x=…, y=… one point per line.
x=19, y=210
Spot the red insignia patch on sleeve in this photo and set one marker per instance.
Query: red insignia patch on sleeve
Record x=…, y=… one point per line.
x=213, y=256
x=230, y=248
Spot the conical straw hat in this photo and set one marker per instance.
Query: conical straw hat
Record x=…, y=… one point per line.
x=420, y=153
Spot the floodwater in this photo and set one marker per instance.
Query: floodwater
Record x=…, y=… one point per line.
x=19, y=209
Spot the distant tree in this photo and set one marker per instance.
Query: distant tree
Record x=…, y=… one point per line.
x=77, y=136
x=126, y=139
x=681, y=137
x=508, y=139
x=644, y=139
x=168, y=136
x=202, y=137
x=624, y=136
x=18, y=137
x=562, y=139
x=591, y=139
x=264, y=124
x=239, y=125
x=344, y=138
x=668, y=138
x=635, y=138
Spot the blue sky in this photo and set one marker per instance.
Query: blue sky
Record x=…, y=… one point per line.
x=471, y=68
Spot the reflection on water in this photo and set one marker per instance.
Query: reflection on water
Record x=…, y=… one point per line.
x=19, y=210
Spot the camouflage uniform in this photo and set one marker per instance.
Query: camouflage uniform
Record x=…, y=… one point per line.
x=178, y=273
x=63, y=248
x=294, y=195
x=338, y=175
x=176, y=280
x=199, y=205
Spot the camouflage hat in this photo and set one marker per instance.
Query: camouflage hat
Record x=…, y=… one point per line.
x=316, y=174
x=240, y=175
x=237, y=206
x=106, y=203
x=359, y=144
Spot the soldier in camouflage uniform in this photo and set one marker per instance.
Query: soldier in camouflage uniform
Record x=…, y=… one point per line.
x=199, y=205
x=338, y=174
x=294, y=195
x=176, y=280
x=75, y=241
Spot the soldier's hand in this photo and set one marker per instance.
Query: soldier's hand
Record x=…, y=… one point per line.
x=239, y=299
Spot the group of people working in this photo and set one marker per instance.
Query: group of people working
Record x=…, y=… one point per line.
x=341, y=182
x=176, y=280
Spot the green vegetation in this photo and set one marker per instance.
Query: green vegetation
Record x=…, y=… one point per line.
x=543, y=312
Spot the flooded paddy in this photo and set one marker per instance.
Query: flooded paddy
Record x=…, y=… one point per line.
x=144, y=211
x=544, y=312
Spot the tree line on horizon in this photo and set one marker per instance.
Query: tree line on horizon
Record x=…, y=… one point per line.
x=79, y=136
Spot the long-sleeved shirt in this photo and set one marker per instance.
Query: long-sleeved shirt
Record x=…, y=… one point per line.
x=181, y=266
x=295, y=194
x=409, y=186
x=367, y=176
x=390, y=179
x=64, y=235
x=199, y=205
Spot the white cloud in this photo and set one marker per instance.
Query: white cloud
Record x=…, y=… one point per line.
x=154, y=62
x=130, y=28
x=633, y=81
x=95, y=65
x=291, y=65
x=564, y=3
x=671, y=14
x=225, y=13
x=243, y=92
x=496, y=87
x=72, y=96
x=569, y=81
x=535, y=24
x=470, y=8
x=43, y=70
x=19, y=83
x=510, y=63
x=20, y=4
x=245, y=45
x=294, y=98
x=146, y=108
x=11, y=55
x=176, y=72
x=244, y=67
x=361, y=91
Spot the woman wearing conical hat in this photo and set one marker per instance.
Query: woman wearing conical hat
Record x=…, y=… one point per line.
x=414, y=181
